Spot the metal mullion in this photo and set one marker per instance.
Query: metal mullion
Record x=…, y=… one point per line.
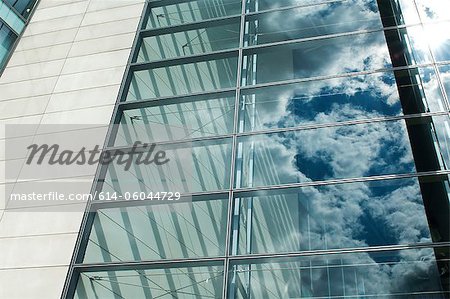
x=181, y=60
x=262, y=47
x=290, y=7
x=162, y=3
x=234, y=152
x=269, y=257
x=176, y=143
x=150, y=265
x=14, y=10
x=196, y=197
x=190, y=26
x=188, y=98
x=337, y=76
x=180, y=142
x=249, y=88
x=437, y=173
x=88, y=217
x=344, y=123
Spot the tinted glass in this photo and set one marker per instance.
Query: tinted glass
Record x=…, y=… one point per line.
x=181, y=119
x=154, y=232
x=22, y=6
x=191, y=11
x=183, y=79
x=333, y=216
x=398, y=274
x=445, y=77
x=340, y=99
x=325, y=153
x=183, y=283
x=331, y=56
x=192, y=167
x=189, y=42
x=7, y=39
x=311, y=21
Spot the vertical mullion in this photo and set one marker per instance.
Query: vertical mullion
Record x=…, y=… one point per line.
x=234, y=152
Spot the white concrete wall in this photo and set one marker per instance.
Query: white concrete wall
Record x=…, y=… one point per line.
x=67, y=68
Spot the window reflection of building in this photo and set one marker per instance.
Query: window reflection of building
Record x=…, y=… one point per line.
x=319, y=149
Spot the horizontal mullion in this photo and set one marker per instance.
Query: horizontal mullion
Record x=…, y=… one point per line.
x=149, y=265
x=427, y=117
x=241, y=259
x=290, y=7
x=242, y=192
x=190, y=26
x=141, y=66
x=265, y=258
x=196, y=197
x=193, y=97
x=247, y=88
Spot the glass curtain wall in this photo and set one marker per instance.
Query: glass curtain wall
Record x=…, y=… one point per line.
x=320, y=137
x=14, y=14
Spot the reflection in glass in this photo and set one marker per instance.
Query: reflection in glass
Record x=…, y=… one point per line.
x=183, y=283
x=433, y=10
x=320, y=101
x=331, y=56
x=7, y=39
x=22, y=6
x=332, y=216
x=445, y=78
x=192, y=167
x=397, y=274
x=339, y=99
x=190, y=11
x=179, y=119
x=438, y=37
x=190, y=42
x=260, y=5
x=324, y=153
x=183, y=79
x=159, y=231
x=311, y=21
x=10, y=17
x=442, y=127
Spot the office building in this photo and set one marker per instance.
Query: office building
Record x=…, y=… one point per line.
x=311, y=138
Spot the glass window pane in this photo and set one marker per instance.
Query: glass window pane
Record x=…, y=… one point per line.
x=433, y=10
x=22, y=6
x=260, y=5
x=311, y=21
x=183, y=283
x=159, y=231
x=445, y=78
x=324, y=153
x=340, y=99
x=192, y=167
x=191, y=11
x=438, y=37
x=413, y=273
x=7, y=39
x=189, y=42
x=183, y=79
x=336, y=216
x=183, y=118
x=10, y=17
x=442, y=127
x=330, y=56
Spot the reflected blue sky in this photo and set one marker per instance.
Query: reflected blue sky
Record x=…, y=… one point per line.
x=326, y=153
x=335, y=216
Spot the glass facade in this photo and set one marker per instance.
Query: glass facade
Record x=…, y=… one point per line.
x=320, y=136
x=13, y=17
